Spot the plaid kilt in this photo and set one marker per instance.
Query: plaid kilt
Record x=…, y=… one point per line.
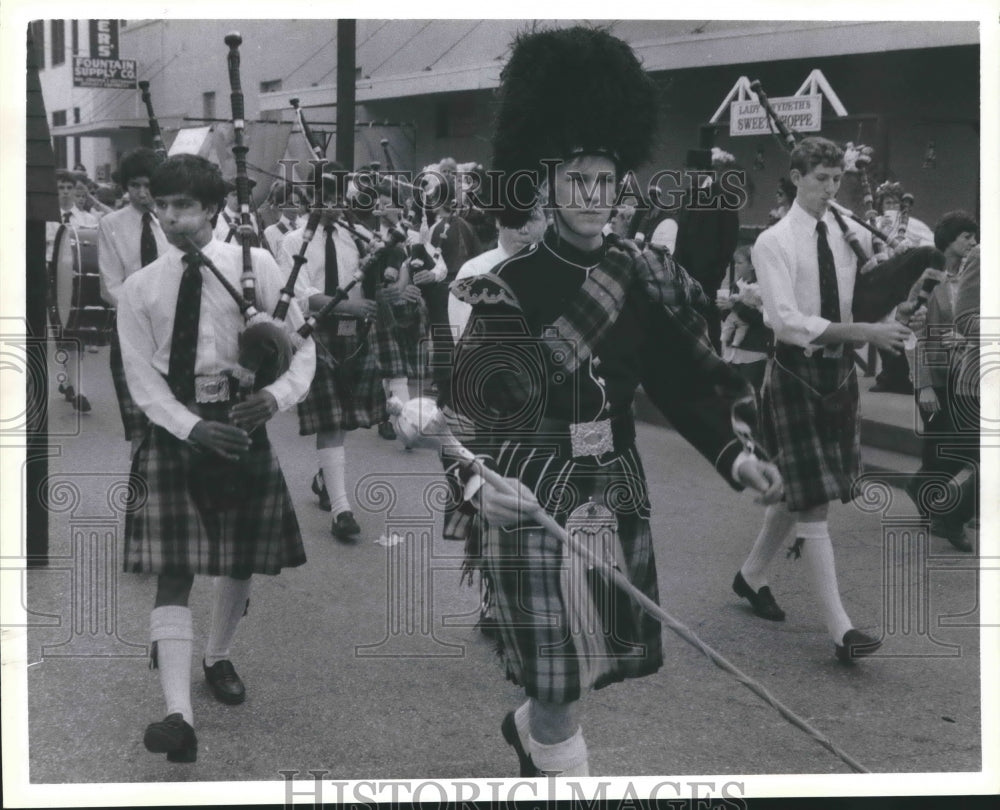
x=349, y=395
x=171, y=526
x=134, y=421
x=812, y=426
x=398, y=332
x=525, y=568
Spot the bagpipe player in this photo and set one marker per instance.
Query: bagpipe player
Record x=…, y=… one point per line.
x=209, y=497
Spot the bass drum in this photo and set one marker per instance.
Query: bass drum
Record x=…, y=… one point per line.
x=76, y=309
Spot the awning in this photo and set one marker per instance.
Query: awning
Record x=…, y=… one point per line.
x=401, y=58
x=109, y=127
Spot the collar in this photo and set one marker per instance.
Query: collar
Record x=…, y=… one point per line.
x=210, y=249
x=570, y=254
x=800, y=218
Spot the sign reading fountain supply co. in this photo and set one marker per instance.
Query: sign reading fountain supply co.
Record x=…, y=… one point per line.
x=103, y=68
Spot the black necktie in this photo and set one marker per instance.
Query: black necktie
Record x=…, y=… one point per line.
x=147, y=242
x=829, y=291
x=66, y=216
x=184, y=341
x=330, y=264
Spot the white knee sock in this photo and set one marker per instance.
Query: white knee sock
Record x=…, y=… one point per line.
x=817, y=550
x=778, y=522
x=231, y=600
x=170, y=627
x=522, y=719
x=72, y=370
x=397, y=387
x=332, y=461
x=566, y=758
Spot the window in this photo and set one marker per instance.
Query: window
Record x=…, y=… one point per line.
x=74, y=28
x=58, y=42
x=272, y=86
x=208, y=105
x=38, y=40
x=59, y=118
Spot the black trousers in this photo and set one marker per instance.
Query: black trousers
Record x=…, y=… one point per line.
x=951, y=445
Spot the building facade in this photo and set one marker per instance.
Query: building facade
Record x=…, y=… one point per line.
x=426, y=87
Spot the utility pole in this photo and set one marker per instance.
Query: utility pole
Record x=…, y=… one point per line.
x=346, y=40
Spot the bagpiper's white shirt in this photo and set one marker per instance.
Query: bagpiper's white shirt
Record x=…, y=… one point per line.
x=312, y=277
x=273, y=234
x=228, y=219
x=787, y=266
x=146, y=306
x=119, y=254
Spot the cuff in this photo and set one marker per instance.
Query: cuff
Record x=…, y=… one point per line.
x=812, y=327
x=738, y=462
x=185, y=424
x=728, y=462
x=472, y=486
x=282, y=392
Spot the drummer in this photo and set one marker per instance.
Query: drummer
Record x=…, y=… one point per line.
x=70, y=212
x=71, y=217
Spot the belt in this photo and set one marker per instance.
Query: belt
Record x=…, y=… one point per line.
x=209, y=388
x=591, y=439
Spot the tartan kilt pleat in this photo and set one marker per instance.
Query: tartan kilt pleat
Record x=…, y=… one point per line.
x=810, y=413
x=525, y=568
x=399, y=330
x=170, y=527
x=134, y=421
x=349, y=395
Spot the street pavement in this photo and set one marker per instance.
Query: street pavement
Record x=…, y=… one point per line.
x=365, y=662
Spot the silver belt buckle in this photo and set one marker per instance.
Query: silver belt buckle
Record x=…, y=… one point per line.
x=591, y=438
x=211, y=388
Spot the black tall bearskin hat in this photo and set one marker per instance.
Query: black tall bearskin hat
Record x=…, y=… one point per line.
x=567, y=92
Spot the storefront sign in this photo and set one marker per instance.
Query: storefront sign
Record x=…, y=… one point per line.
x=799, y=114
x=104, y=39
x=119, y=74
x=103, y=68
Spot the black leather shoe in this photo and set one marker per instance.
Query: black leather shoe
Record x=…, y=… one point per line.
x=953, y=533
x=319, y=488
x=488, y=626
x=855, y=645
x=226, y=684
x=345, y=528
x=761, y=601
x=386, y=430
x=81, y=404
x=172, y=736
x=509, y=730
